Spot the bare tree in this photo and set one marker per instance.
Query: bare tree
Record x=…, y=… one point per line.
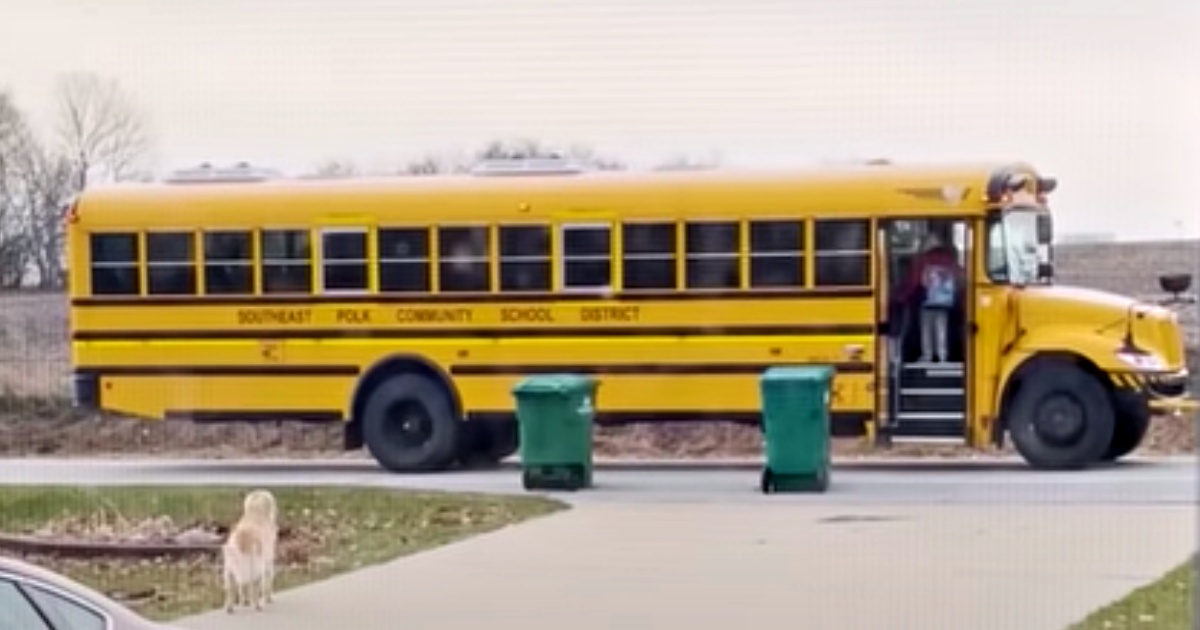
x=428, y=165
x=686, y=163
x=15, y=142
x=36, y=183
x=437, y=164
x=103, y=133
x=334, y=169
x=50, y=181
x=526, y=148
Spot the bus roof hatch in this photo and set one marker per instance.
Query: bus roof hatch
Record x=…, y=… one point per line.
x=529, y=166
x=206, y=173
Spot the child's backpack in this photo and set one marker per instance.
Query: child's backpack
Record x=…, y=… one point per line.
x=939, y=282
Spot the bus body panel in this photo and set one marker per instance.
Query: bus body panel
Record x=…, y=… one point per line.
x=666, y=352
x=316, y=378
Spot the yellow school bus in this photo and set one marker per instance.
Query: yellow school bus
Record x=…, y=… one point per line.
x=407, y=308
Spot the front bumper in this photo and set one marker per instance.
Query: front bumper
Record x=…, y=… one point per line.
x=1155, y=392
x=85, y=390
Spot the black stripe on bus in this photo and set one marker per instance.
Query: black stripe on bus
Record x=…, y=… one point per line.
x=282, y=415
x=493, y=332
x=842, y=423
x=647, y=369
x=219, y=370
x=475, y=298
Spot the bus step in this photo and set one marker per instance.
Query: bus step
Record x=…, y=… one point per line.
x=938, y=376
x=932, y=400
x=929, y=424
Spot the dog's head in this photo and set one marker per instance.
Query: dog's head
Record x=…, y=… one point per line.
x=260, y=505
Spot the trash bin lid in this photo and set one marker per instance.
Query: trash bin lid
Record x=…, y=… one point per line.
x=794, y=373
x=554, y=384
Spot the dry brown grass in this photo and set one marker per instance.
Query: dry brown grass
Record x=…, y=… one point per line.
x=34, y=358
x=34, y=354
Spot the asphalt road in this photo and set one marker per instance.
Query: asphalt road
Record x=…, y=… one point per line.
x=1138, y=481
x=667, y=544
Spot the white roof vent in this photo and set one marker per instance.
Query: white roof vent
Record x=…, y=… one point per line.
x=206, y=173
x=529, y=166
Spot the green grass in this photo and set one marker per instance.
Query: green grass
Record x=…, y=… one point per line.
x=1167, y=604
x=334, y=530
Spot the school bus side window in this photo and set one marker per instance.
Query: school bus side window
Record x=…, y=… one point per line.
x=170, y=265
x=344, y=259
x=286, y=262
x=776, y=254
x=586, y=259
x=114, y=264
x=649, y=253
x=463, y=252
x=712, y=255
x=228, y=263
x=524, y=258
x=404, y=260
x=843, y=253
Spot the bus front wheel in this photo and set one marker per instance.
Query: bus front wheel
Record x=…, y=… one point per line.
x=1061, y=418
x=409, y=424
x=1130, y=431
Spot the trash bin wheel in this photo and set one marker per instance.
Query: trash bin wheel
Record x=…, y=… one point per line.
x=767, y=483
x=822, y=482
x=527, y=480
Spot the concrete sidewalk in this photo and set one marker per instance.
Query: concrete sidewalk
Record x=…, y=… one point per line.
x=603, y=566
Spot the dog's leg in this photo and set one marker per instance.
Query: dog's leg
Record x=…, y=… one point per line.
x=256, y=593
x=269, y=576
x=229, y=591
x=266, y=585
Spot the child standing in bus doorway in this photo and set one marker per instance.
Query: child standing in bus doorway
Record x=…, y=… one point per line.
x=936, y=276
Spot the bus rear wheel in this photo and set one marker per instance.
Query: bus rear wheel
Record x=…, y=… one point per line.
x=486, y=443
x=1062, y=418
x=409, y=424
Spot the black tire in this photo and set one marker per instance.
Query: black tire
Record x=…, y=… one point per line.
x=409, y=424
x=767, y=483
x=1127, y=436
x=485, y=443
x=821, y=483
x=1062, y=418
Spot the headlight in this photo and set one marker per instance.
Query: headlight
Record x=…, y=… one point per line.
x=1142, y=361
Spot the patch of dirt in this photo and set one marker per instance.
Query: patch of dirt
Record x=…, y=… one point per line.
x=1171, y=435
x=1168, y=435
x=60, y=433
x=156, y=545
x=112, y=528
x=54, y=430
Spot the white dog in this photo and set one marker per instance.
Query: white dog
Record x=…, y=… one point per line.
x=249, y=553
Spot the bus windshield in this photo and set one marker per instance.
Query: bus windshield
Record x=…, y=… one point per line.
x=1018, y=252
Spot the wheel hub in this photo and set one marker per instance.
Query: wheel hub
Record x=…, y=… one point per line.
x=409, y=425
x=1060, y=420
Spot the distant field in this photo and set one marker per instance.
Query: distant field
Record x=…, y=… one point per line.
x=1133, y=269
x=34, y=353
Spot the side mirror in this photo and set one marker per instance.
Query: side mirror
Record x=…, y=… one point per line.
x=1045, y=228
x=1177, y=284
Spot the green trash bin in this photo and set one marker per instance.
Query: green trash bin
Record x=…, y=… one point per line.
x=795, y=424
x=554, y=416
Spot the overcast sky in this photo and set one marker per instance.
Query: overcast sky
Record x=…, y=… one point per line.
x=1103, y=94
